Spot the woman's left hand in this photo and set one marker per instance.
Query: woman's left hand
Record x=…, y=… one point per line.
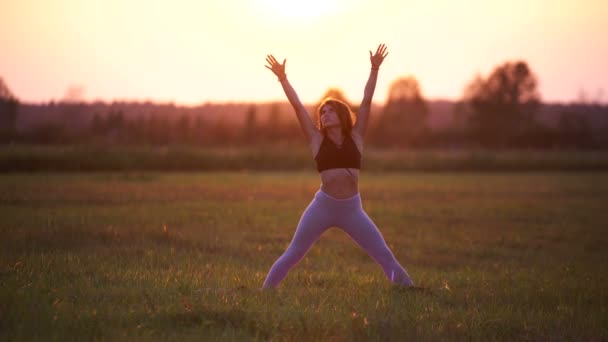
x=378, y=57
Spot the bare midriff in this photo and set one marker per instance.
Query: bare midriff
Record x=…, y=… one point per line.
x=339, y=183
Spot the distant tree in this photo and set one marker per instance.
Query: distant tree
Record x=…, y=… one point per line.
x=116, y=125
x=222, y=131
x=136, y=130
x=403, y=120
x=574, y=130
x=5, y=92
x=337, y=94
x=49, y=133
x=112, y=127
x=199, y=130
x=97, y=125
x=250, y=125
x=273, y=124
x=502, y=107
x=183, y=131
x=74, y=94
x=157, y=129
x=9, y=106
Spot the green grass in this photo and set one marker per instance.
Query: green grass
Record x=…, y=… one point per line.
x=78, y=158
x=181, y=256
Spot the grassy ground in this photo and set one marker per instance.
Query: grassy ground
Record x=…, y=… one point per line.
x=173, y=256
x=278, y=157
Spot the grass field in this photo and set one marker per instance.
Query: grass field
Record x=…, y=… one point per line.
x=181, y=256
x=281, y=157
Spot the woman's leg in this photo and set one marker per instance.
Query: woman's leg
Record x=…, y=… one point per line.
x=312, y=224
x=361, y=228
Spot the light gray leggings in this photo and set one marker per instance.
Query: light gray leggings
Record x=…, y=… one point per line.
x=347, y=214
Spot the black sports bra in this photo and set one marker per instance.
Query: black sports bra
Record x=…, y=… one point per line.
x=331, y=156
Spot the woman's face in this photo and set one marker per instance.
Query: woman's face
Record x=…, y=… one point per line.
x=329, y=117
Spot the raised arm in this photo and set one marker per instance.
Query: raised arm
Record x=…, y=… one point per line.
x=310, y=130
x=366, y=104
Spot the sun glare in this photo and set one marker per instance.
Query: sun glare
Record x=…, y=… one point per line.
x=309, y=9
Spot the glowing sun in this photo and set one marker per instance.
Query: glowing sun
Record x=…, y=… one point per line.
x=304, y=9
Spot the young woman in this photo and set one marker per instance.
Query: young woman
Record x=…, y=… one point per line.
x=336, y=146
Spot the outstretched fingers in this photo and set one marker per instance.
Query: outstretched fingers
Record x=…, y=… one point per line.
x=277, y=68
x=381, y=50
x=378, y=57
x=272, y=61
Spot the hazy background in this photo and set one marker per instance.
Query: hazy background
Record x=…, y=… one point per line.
x=459, y=75
x=190, y=52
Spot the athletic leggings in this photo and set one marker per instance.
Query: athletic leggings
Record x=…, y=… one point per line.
x=347, y=214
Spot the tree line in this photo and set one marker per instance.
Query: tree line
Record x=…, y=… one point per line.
x=500, y=110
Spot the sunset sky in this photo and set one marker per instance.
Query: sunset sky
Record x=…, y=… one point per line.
x=194, y=51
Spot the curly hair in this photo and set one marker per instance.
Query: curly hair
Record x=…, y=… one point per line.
x=345, y=115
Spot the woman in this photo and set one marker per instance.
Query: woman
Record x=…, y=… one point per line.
x=336, y=146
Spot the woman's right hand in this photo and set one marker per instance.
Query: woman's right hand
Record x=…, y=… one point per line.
x=277, y=68
x=378, y=57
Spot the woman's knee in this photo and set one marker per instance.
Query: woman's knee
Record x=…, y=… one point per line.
x=293, y=254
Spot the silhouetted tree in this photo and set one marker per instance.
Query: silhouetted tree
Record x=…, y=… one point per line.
x=502, y=107
x=225, y=132
x=403, y=119
x=574, y=130
x=337, y=94
x=97, y=126
x=199, y=130
x=157, y=129
x=116, y=125
x=250, y=125
x=112, y=127
x=181, y=132
x=8, y=112
x=273, y=125
x=74, y=94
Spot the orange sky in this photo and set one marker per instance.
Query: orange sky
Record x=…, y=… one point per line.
x=193, y=51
